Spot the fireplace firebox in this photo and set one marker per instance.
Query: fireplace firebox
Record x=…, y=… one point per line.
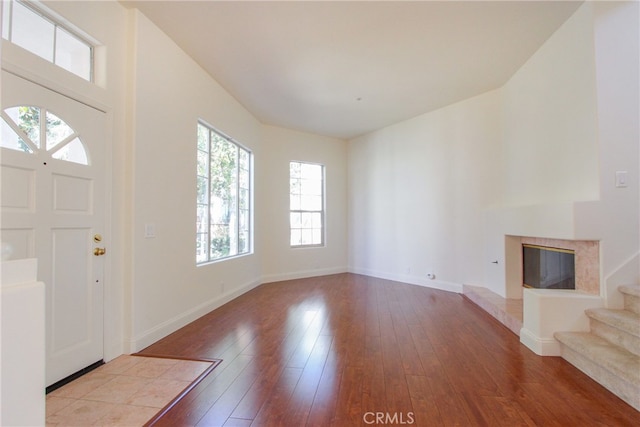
x=548, y=268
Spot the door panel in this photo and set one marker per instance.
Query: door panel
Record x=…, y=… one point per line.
x=72, y=194
x=52, y=206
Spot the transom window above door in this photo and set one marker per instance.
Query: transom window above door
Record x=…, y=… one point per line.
x=33, y=27
x=35, y=130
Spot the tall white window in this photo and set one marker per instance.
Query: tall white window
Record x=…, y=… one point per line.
x=306, y=200
x=223, y=224
x=33, y=30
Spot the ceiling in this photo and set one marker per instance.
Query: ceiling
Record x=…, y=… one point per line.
x=346, y=68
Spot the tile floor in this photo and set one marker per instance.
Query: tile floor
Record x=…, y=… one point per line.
x=127, y=391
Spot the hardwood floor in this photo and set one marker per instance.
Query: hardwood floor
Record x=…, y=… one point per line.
x=351, y=350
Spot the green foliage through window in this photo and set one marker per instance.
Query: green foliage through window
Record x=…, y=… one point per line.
x=223, y=197
x=22, y=127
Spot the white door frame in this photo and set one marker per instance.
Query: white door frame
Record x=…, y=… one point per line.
x=97, y=98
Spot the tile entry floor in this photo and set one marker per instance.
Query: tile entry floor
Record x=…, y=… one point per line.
x=128, y=391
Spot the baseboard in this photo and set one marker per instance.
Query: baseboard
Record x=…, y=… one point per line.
x=162, y=330
x=540, y=346
x=410, y=279
x=270, y=278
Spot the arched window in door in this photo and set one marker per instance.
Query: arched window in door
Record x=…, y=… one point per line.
x=33, y=130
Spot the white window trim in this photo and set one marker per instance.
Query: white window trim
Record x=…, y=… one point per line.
x=322, y=212
x=58, y=21
x=243, y=147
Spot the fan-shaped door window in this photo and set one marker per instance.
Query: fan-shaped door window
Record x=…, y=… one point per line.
x=35, y=130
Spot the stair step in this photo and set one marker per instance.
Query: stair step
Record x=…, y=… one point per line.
x=620, y=327
x=631, y=295
x=630, y=290
x=613, y=367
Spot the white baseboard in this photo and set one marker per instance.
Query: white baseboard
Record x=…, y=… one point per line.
x=165, y=328
x=540, y=346
x=270, y=278
x=411, y=279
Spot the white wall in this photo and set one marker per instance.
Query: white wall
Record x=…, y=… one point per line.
x=617, y=59
x=279, y=260
x=550, y=126
x=171, y=93
x=168, y=290
x=536, y=157
x=571, y=112
x=417, y=190
x=550, y=150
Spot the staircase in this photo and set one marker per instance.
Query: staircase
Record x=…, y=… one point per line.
x=610, y=353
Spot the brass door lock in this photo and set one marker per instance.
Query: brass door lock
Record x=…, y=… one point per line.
x=99, y=251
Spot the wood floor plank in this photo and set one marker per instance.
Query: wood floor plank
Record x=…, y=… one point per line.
x=425, y=410
x=374, y=391
x=299, y=405
x=348, y=410
x=257, y=394
x=344, y=349
x=273, y=410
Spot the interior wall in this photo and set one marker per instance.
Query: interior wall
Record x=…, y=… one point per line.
x=550, y=126
x=417, y=190
x=572, y=112
x=171, y=93
x=550, y=150
x=617, y=60
x=279, y=260
x=536, y=157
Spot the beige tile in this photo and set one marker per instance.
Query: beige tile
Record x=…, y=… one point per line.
x=54, y=404
x=158, y=393
x=120, y=364
x=152, y=367
x=128, y=391
x=80, y=413
x=83, y=385
x=118, y=390
x=127, y=415
x=186, y=370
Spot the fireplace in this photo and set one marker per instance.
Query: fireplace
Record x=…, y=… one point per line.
x=548, y=267
x=585, y=255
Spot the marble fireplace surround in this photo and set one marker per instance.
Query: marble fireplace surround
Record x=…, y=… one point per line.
x=587, y=260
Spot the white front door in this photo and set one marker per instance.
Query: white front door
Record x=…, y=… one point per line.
x=53, y=208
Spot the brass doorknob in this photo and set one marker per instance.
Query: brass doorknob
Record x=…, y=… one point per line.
x=99, y=251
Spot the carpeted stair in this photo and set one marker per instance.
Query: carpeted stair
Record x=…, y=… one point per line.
x=610, y=353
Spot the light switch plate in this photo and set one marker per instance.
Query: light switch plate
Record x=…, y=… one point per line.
x=621, y=179
x=149, y=231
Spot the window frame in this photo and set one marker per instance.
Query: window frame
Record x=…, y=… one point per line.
x=59, y=24
x=321, y=211
x=238, y=230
